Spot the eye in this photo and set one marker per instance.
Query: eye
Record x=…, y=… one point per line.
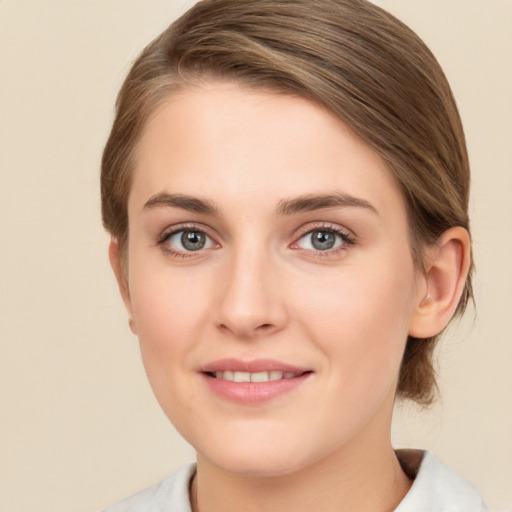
x=188, y=240
x=322, y=240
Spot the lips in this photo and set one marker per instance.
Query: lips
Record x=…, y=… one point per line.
x=253, y=366
x=251, y=382
x=265, y=376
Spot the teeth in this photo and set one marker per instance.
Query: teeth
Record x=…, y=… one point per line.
x=259, y=377
x=242, y=377
x=254, y=377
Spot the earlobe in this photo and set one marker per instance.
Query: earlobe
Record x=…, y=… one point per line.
x=447, y=266
x=122, y=280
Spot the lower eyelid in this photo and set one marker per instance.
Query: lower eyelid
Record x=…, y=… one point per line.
x=164, y=240
x=345, y=237
x=339, y=242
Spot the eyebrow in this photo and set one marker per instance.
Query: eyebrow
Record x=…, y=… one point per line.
x=185, y=202
x=311, y=202
x=300, y=204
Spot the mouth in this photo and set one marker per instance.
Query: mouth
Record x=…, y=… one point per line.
x=253, y=382
x=264, y=376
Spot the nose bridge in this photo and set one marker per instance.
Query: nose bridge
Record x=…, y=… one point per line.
x=250, y=301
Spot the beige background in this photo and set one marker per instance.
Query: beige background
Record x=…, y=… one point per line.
x=79, y=427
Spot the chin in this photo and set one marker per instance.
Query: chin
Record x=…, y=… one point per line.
x=253, y=465
x=256, y=455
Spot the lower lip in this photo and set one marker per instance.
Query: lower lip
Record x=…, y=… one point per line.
x=253, y=392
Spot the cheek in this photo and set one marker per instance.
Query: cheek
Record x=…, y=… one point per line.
x=166, y=304
x=360, y=319
x=170, y=311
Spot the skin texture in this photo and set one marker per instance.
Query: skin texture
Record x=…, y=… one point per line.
x=259, y=289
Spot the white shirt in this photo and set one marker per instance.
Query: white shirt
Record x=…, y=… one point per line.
x=436, y=488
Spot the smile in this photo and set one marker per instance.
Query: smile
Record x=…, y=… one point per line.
x=253, y=382
x=264, y=376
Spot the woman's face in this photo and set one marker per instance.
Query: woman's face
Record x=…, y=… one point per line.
x=267, y=244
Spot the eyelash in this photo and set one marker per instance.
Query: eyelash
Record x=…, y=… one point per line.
x=346, y=239
x=344, y=236
x=184, y=228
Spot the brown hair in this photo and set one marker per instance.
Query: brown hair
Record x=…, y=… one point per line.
x=353, y=58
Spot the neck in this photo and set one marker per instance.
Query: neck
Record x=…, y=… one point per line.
x=348, y=481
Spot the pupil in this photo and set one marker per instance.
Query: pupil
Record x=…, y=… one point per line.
x=193, y=240
x=322, y=240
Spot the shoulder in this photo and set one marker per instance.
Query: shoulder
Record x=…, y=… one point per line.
x=170, y=495
x=436, y=487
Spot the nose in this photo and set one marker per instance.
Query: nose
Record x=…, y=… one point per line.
x=251, y=302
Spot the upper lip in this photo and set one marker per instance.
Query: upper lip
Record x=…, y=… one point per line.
x=253, y=366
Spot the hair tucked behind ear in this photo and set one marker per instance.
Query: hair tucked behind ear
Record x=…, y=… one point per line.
x=351, y=57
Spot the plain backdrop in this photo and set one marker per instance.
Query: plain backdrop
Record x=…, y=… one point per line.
x=79, y=427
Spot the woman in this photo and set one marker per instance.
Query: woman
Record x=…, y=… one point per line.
x=286, y=186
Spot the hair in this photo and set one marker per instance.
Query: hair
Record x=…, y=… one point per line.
x=349, y=56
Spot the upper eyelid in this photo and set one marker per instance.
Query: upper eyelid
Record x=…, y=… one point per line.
x=171, y=231
x=296, y=235
x=347, y=236
x=327, y=226
x=185, y=226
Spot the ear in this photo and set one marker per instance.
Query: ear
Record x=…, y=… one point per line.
x=122, y=280
x=447, y=265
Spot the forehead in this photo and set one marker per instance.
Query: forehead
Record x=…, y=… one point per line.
x=223, y=140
